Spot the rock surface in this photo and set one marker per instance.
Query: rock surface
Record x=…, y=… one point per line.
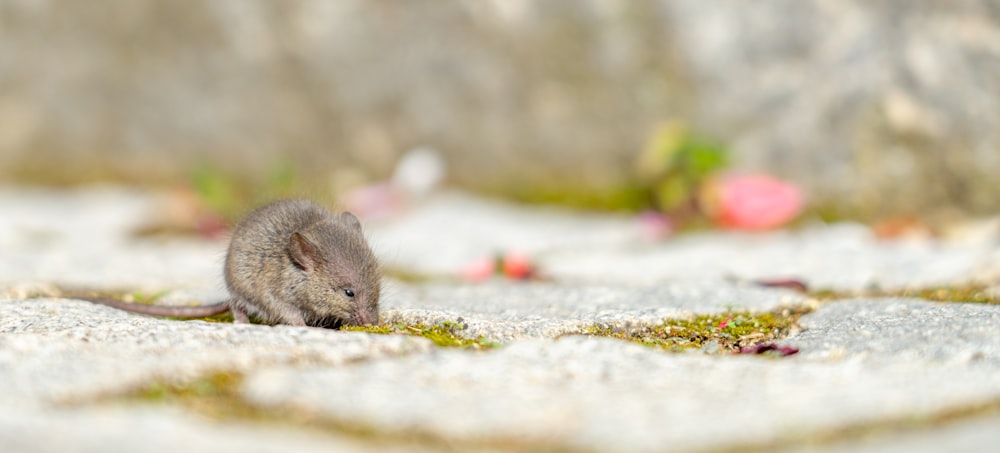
x=55, y=350
x=880, y=330
x=507, y=311
x=449, y=232
x=872, y=374
x=159, y=430
x=607, y=395
x=886, y=106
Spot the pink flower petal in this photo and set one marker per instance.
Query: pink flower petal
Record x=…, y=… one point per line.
x=517, y=266
x=654, y=225
x=479, y=270
x=756, y=202
x=375, y=202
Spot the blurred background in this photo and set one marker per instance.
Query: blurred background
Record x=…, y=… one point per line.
x=870, y=109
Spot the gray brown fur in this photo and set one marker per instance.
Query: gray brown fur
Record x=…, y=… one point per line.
x=293, y=262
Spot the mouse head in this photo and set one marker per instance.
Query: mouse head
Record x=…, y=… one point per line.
x=342, y=277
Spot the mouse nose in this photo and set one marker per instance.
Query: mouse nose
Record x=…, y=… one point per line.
x=363, y=317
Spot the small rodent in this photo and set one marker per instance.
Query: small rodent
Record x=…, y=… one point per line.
x=292, y=262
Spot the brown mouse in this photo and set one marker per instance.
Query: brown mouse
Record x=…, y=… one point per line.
x=292, y=262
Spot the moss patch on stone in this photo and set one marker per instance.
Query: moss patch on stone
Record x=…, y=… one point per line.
x=718, y=333
x=444, y=334
x=215, y=395
x=973, y=293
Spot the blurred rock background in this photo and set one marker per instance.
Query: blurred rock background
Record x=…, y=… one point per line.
x=876, y=108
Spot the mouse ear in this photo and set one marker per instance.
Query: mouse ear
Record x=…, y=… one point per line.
x=350, y=220
x=305, y=255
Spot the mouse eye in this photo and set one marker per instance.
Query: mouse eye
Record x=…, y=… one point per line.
x=348, y=292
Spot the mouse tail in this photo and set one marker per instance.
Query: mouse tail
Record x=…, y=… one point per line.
x=172, y=311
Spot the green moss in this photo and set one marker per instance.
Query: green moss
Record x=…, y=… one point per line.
x=225, y=318
x=444, y=334
x=215, y=395
x=676, y=163
x=964, y=294
x=826, y=213
x=572, y=194
x=229, y=194
x=218, y=396
x=731, y=330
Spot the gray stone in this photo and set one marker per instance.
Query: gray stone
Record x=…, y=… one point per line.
x=862, y=363
x=164, y=430
x=879, y=330
x=606, y=395
x=84, y=238
x=888, y=105
x=54, y=350
x=840, y=257
x=50, y=237
x=450, y=230
x=977, y=434
x=504, y=311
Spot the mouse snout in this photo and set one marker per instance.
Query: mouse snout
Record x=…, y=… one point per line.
x=365, y=318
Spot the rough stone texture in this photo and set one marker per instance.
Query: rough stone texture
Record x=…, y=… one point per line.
x=839, y=257
x=55, y=350
x=160, y=430
x=863, y=363
x=887, y=106
x=507, y=311
x=83, y=238
x=448, y=232
x=902, y=329
x=607, y=395
x=879, y=103
x=975, y=435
